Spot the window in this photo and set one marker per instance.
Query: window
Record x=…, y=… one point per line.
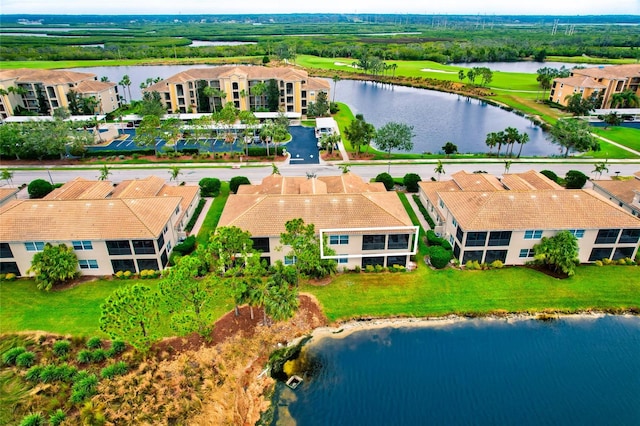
x=533, y=234
x=373, y=261
x=455, y=222
x=261, y=244
x=143, y=247
x=373, y=242
x=500, y=238
x=9, y=268
x=398, y=241
x=343, y=260
x=493, y=255
x=145, y=264
x=456, y=251
x=397, y=260
x=160, y=242
x=623, y=253
x=123, y=265
x=459, y=234
x=526, y=253
x=177, y=210
x=476, y=239
x=88, y=264
x=164, y=259
x=578, y=233
x=82, y=245
x=339, y=239
x=600, y=253
x=289, y=260
x=5, y=251
x=472, y=255
x=34, y=245
x=630, y=236
x=607, y=236
x=441, y=203
x=116, y=248
x=168, y=246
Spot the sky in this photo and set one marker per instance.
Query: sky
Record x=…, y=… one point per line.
x=467, y=7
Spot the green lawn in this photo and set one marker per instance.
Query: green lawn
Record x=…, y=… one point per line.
x=73, y=311
x=213, y=216
x=434, y=293
x=626, y=136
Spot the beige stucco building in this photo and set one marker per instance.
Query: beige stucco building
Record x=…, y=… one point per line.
x=624, y=193
x=132, y=226
x=487, y=219
x=598, y=82
x=362, y=222
x=183, y=92
x=37, y=90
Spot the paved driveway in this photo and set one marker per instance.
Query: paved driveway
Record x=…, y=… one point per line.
x=303, y=146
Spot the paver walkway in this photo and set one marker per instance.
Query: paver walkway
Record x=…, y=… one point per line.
x=203, y=215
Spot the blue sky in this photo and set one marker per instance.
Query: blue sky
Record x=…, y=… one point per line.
x=489, y=7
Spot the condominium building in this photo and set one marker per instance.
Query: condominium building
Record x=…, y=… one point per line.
x=362, y=222
x=132, y=226
x=42, y=91
x=597, y=82
x=624, y=193
x=245, y=86
x=486, y=222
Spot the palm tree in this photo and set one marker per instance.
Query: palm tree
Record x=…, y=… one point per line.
x=492, y=140
x=626, y=99
x=104, y=79
x=258, y=90
x=126, y=82
x=511, y=137
x=104, y=172
x=336, y=78
x=174, y=171
x=212, y=93
x=523, y=139
x=507, y=166
x=439, y=169
x=7, y=175
x=601, y=167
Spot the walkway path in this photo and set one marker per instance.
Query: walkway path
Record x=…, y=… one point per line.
x=626, y=148
x=203, y=215
x=417, y=211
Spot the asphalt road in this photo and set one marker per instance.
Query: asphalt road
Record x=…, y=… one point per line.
x=256, y=173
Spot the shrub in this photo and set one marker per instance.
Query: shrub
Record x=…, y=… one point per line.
x=119, y=275
x=9, y=277
x=57, y=417
x=33, y=374
x=423, y=210
x=117, y=347
x=127, y=274
x=61, y=348
x=85, y=356
x=607, y=261
x=497, y=264
x=99, y=355
x=84, y=388
x=209, y=187
x=386, y=179
x=410, y=181
x=113, y=370
x=551, y=175
x=187, y=246
x=439, y=256
x=25, y=359
x=236, y=181
x=39, y=188
x=53, y=373
x=473, y=265
x=575, y=179
x=357, y=269
x=378, y=268
x=10, y=356
x=620, y=262
x=598, y=262
x=369, y=268
x=35, y=419
x=94, y=343
x=195, y=215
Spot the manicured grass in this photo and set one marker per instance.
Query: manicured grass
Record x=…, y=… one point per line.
x=213, y=216
x=626, y=136
x=425, y=292
x=73, y=311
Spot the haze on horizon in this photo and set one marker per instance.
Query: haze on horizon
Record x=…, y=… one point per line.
x=461, y=7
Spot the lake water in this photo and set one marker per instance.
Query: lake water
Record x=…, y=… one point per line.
x=573, y=371
x=438, y=117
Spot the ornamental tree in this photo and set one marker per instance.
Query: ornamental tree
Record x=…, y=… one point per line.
x=305, y=249
x=54, y=265
x=131, y=314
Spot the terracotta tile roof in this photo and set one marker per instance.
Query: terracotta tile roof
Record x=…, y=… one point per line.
x=7, y=193
x=25, y=75
x=80, y=188
x=64, y=220
x=147, y=187
x=266, y=214
x=623, y=190
x=551, y=209
x=346, y=183
x=186, y=192
x=314, y=83
x=580, y=81
x=620, y=72
x=477, y=181
x=528, y=180
x=94, y=86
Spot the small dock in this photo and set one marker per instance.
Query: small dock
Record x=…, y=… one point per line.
x=294, y=381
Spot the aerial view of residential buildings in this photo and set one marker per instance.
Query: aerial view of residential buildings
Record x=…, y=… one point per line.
x=186, y=225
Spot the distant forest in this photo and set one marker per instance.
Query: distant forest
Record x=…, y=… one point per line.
x=440, y=38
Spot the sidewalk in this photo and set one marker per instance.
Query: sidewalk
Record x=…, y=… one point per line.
x=203, y=215
x=417, y=211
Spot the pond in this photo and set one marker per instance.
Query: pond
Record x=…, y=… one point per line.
x=437, y=117
x=474, y=372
